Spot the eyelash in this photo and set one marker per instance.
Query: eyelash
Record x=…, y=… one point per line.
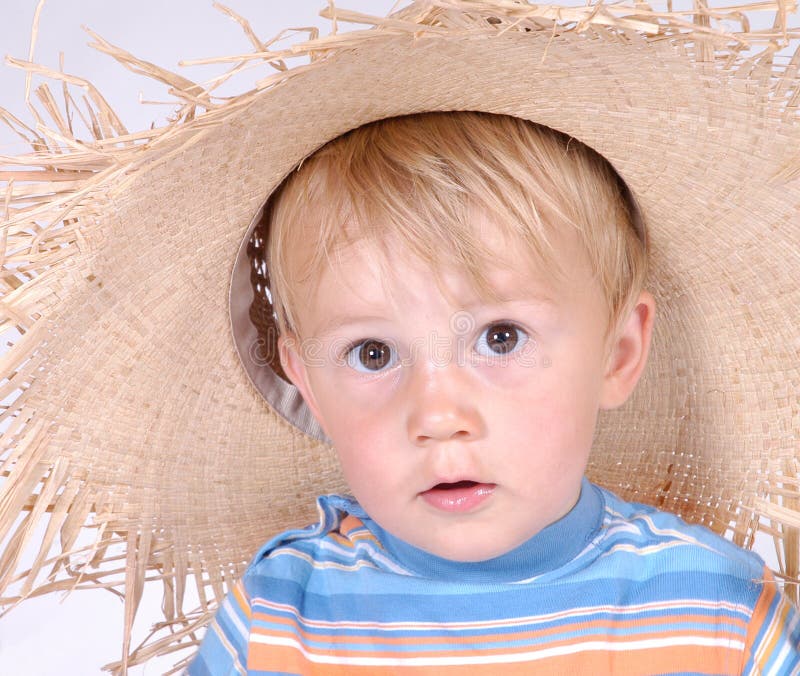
x=350, y=355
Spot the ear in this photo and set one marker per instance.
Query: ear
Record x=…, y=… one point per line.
x=627, y=356
x=289, y=351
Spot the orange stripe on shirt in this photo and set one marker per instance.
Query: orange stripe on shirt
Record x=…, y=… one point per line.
x=760, y=613
x=240, y=595
x=293, y=628
x=671, y=659
x=343, y=652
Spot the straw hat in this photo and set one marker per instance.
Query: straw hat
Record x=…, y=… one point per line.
x=140, y=401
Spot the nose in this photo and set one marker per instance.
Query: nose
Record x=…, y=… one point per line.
x=442, y=405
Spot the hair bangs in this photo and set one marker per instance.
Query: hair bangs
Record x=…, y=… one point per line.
x=412, y=185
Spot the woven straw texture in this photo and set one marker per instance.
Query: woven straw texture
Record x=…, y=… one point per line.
x=127, y=410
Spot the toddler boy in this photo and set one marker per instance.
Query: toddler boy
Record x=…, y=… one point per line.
x=458, y=296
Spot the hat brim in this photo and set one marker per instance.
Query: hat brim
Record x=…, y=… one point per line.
x=138, y=407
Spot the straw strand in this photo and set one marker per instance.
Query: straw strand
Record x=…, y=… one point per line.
x=55, y=194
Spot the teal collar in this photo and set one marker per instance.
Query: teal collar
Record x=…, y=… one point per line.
x=550, y=548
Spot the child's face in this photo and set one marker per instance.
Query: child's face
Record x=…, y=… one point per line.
x=463, y=426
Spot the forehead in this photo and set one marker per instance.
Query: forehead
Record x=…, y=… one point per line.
x=367, y=275
x=480, y=240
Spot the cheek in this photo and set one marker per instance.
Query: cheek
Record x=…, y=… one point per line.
x=356, y=418
x=546, y=414
x=339, y=391
x=356, y=414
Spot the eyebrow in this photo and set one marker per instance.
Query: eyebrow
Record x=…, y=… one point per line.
x=545, y=301
x=337, y=322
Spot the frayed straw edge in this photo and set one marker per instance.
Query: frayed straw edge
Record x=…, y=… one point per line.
x=79, y=172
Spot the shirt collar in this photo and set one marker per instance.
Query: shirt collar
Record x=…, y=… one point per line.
x=550, y=548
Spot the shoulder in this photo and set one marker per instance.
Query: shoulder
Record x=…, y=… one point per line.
x=290, y=574
x=337, y=543
x=640, y=537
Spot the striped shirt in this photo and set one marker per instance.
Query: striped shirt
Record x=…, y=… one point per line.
x=611, y=588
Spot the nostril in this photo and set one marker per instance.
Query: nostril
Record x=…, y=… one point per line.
x=436, y=422
x=460, y=435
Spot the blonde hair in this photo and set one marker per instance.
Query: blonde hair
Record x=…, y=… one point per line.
x=416, y=179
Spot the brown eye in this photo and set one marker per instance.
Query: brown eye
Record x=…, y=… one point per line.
x=500, y=338
x=370, y=356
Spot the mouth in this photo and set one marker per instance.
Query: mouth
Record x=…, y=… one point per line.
x=458, y=496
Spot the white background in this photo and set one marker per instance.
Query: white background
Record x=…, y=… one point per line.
x=80, y=633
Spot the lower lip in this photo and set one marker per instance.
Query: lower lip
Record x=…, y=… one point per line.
x=458, y=499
